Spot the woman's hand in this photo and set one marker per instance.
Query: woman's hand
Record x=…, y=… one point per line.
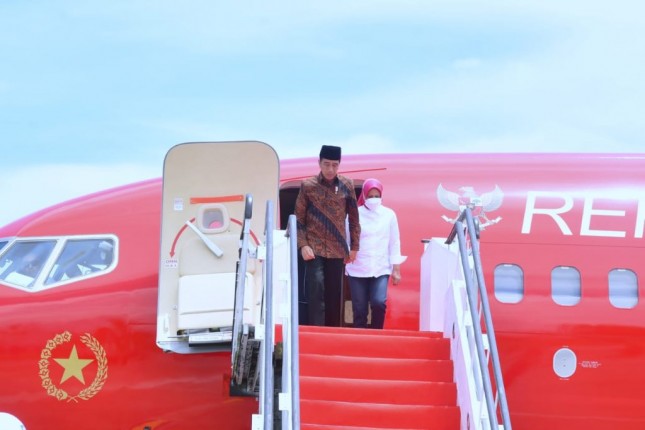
x=396, y=274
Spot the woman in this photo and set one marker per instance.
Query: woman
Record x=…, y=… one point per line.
x=378, y=258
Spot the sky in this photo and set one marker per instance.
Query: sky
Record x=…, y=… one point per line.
x=93, y=94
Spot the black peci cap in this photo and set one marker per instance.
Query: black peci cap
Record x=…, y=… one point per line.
x=330, y=152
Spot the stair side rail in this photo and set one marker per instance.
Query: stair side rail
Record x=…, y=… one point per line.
x=264, y=328
x=266, y=355
x=478, y=308
x=238, y=310
x=290, y=394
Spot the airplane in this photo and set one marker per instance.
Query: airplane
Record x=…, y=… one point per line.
x=85, y=343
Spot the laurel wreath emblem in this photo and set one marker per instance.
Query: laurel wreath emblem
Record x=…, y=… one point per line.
x=101, y=374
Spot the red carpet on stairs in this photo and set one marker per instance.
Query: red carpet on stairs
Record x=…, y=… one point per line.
x=358, y=379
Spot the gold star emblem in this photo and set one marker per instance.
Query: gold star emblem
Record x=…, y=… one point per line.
x=73, y=366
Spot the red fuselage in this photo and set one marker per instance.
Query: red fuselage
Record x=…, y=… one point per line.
x=581, y=211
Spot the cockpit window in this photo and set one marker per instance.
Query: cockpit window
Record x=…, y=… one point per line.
x=3, y=243
x=37, y=264
x=23, y=262
x=80, y=258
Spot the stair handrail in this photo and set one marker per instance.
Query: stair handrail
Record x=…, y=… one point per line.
x=267, y=381
x=238, y=311
x=476, y=296
x=291, y=349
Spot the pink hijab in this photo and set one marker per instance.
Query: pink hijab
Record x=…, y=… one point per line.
x=367, y=186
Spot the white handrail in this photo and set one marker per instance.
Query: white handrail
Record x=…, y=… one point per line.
x=480, y=296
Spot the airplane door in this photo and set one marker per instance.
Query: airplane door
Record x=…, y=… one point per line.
x=205, y=186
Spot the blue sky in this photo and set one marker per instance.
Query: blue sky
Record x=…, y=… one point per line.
x=93, y=93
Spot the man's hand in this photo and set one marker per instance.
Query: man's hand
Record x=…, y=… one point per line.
x=351, y=257
x=307, y=253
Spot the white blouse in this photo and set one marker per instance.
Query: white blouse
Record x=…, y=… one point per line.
x=379, y=245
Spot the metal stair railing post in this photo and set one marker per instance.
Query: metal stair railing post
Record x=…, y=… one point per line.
x=294, y=348
x=267, y=342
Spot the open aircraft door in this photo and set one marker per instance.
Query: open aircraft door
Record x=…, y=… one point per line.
x=208, y=190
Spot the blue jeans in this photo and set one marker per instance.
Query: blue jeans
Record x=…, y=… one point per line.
x=374, y=291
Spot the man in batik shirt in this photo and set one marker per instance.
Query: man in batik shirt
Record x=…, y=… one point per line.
x=324, y=203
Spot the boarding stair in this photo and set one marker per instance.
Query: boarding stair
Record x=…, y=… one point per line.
x=377, y=379
x=444, y=376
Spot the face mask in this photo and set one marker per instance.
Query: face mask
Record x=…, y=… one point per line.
x=373, y=203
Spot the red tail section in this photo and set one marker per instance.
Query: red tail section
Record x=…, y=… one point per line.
x=375, y=379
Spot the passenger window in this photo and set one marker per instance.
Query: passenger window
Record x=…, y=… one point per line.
x=508, y=283
x=565, y=286
x=82, y=257
x=623, y=288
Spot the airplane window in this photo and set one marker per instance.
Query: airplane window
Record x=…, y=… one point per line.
x=81, y=257
x=212, y=218
x=565, y=286
x=22, y=263
x=3, y=243
x=623, y=288
x=508, y=283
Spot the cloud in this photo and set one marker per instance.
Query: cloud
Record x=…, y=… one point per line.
x=122, y=82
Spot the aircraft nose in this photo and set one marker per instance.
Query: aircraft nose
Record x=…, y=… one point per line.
x=9, y=422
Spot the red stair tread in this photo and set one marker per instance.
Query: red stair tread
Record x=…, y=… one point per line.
x=352, y=330
x=362, y=345
x=403, y=369
x=378, y=391
x=382, y=416
x=337, y=427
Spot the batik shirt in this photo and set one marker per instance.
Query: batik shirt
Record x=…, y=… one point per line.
x=321, y=210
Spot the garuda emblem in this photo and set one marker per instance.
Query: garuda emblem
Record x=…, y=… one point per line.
x=478, y=204
x=69, y=368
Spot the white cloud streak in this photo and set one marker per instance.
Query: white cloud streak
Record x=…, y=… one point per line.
x=28, y=189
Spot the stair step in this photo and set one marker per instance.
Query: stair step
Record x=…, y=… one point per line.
x=378, y=391
x=352, y=330
x=368, y=345
x=379, y=416
x=337, y=427
x=401, y=369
